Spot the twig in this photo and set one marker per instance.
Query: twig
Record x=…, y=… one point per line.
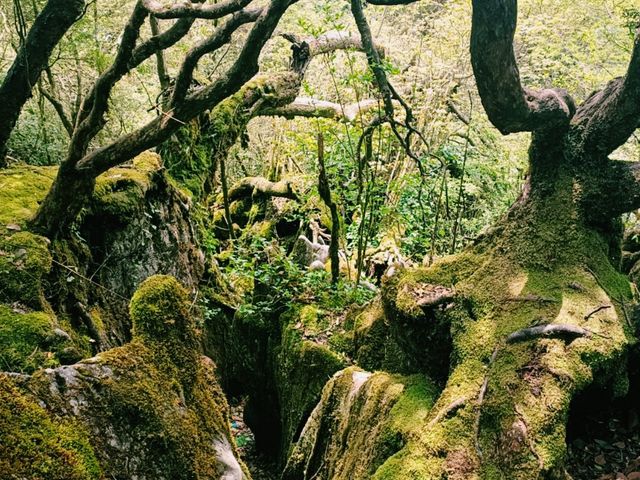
x=453, y=406
x=480, y=400
x=601, y=307
x=617, y=300
x=89, y=280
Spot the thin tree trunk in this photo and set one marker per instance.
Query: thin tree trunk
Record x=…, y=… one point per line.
x=325, y=193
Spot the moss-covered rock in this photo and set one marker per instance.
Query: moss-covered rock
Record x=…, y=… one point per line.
x=29, y=341
x=361, y=421
x=120, y=191
x=503, y=410
x=153, y=407
x=36, y=445
x=302, y=368
x=24, y=262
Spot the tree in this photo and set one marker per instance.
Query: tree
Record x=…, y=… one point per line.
x=32, y=58
x=532, y=314
x=540, y=310
x=76, y=176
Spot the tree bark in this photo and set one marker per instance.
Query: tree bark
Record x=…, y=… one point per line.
x=50, y=25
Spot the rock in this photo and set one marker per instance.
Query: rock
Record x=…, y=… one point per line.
x=361, y=421
x=153, y=407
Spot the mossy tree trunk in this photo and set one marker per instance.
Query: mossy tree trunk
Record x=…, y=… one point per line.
x=553, y=259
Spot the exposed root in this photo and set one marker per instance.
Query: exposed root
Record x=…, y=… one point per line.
x=480, y=400
x=532, y=298
x=600, y=308
x=449, y=409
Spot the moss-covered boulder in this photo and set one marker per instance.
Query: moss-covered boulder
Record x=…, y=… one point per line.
x=153, y=407
x=303, y=365
x=361, y=421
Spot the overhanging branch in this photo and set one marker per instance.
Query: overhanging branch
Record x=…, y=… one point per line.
x=194, y=9
x=313, y=108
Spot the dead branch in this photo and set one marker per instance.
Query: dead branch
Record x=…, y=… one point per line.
x=313, y=108
x=562, y=331
x=197, y=9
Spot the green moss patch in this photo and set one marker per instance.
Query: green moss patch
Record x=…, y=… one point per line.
x=21, y=188
x=35, y=445
x=120, y=191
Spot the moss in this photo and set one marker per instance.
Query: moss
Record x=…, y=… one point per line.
x=361, y=421
x=193, y=154
x=160, y=314
x=542, y=264
x=24, y=261
x=154, y=405
x=21, y=188
x=26, y=340
x=119, y=191
x=35, y=445
x=302, y=369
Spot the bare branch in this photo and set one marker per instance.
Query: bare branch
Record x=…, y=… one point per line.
x=95, y=104
x=313, y=108
x=59, y=108
x=391, y=2
x=159, y=129
x=510, y=107
x=194, y=9
x=610, y=116
x=160, y=41
x=220, y=37
x=304, y=50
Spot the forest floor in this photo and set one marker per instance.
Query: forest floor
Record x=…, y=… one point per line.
x=261, y=468
x=604, y=435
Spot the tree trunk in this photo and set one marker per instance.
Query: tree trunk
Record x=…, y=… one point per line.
x=50, y=25
x=69, y=194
